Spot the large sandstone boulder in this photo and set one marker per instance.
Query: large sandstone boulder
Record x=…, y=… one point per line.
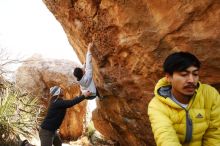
x=37, y=75
x=132, y=39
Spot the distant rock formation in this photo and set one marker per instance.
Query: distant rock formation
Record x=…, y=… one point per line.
x=133, y=38
x=37, y=75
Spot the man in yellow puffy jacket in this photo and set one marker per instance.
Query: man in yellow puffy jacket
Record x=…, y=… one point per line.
x=184, y=112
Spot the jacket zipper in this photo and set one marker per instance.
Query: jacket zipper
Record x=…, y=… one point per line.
x=189, y=127
x=189, y=124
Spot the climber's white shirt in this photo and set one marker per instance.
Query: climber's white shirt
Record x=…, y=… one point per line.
x=87, y=83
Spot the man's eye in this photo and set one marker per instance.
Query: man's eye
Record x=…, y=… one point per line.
x=183, y=74
x=196, y=74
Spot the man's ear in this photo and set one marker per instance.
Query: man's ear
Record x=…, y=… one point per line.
x=168, y=77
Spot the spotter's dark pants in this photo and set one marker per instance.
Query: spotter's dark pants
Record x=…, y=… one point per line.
x=49, y=138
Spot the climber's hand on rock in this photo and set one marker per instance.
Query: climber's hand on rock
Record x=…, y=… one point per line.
x=87, y=94
x=90, y=46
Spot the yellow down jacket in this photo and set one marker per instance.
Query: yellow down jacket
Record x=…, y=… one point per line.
x=196, y=125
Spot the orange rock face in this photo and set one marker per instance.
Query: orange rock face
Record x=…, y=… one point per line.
x=133, y=38
x=37, y=75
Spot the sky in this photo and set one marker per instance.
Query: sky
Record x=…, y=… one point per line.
x=27, y=27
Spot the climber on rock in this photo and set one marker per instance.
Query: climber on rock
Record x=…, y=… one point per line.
x=84, y=75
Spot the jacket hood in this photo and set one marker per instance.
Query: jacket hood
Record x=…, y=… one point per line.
x=162, y=88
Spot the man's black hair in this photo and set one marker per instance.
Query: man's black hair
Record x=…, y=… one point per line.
x=78, y=73
x=180, y=61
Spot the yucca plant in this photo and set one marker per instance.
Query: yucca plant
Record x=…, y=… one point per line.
x=19, y=114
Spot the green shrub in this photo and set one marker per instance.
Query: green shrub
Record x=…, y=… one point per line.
x=90, y=129
x=19, y=114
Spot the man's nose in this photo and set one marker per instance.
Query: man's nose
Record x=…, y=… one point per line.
x=191, y=78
